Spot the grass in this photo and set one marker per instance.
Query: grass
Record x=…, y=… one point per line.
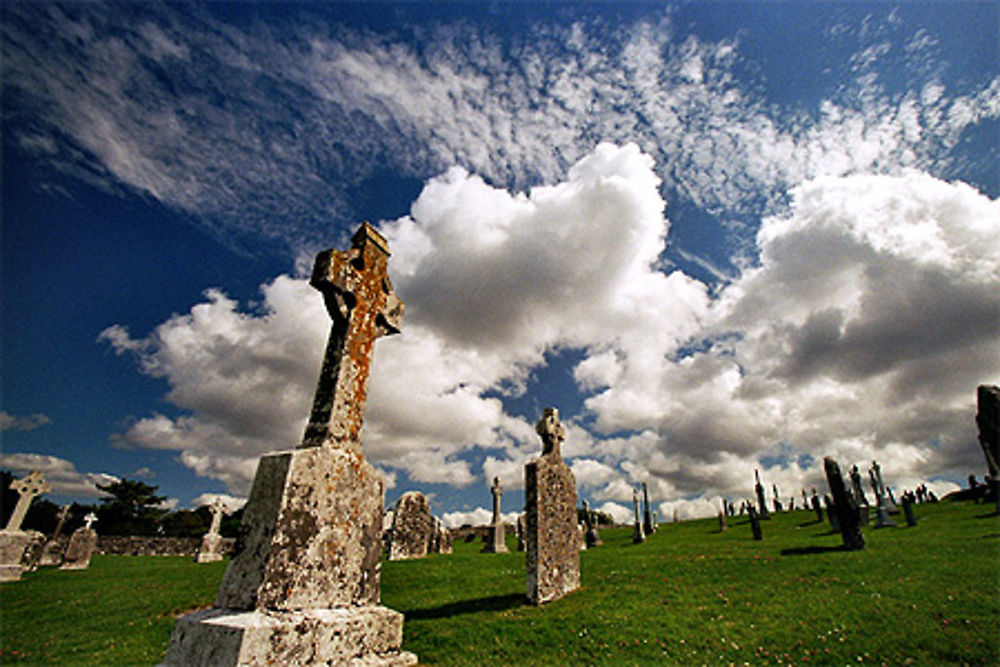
x=689, y=595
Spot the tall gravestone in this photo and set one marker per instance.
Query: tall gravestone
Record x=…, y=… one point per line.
x=552, y=550
x=859, y=492
x=761, y=502
x=754, y=522
x=496, y=542
x=638, y=532
x=845, y=507
x=82, y=544
x=521, y=532
x=647, y=514
x=777, y=498
x=211, y=543
x=13, y=540
x=303, y=587
x=593, y=538
x=817, y=507
x=988, y=424
x=411, y=527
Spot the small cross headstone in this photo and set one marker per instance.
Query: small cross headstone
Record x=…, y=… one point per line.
x=211, y=542
x=52, y=552
x=497, y=542
x=82, y=544
x=638, y=534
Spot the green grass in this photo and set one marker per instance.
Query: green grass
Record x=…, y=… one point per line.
x=689, y=595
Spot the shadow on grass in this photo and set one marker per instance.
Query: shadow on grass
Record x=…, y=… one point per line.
x=809, y=551
x=494, y=603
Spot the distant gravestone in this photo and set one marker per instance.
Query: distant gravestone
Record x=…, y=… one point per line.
x=520, y=532
x=592, y=537
x=777, y=498
x=845, y=507
x=817, y=507
x=496, y=542
x=442, y=538
x=411, y=527
x=647, y=514
x=988, y=423
x=52, y=554
x=754, y=522
x=638, y=534
x=81, y=545
x=303, y=586
x=831, y=515
x=761, y=502
x=211, y=543
x=859, y=492
x=911, y=520
x=14, y=541
x=552, y=550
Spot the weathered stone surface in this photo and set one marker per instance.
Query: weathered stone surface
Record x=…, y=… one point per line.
x=844, y=507
x=211, y=549
x=552, y=541
x=369, y=635
x=80, y=549
x=51, y=552
x=13, y=544
x=440, y=538
x=412, y=527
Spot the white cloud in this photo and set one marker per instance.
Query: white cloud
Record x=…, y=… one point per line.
x=230, y=503
x=61, y=474
x=9, y=422
x=477, y=517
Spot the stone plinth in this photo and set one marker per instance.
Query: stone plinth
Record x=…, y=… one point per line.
x=12, y=547
x=211, y=549
x=412, y=527
x=552, y=540
x=81, y=547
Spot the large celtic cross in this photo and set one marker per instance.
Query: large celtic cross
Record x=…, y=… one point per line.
x=29, y=486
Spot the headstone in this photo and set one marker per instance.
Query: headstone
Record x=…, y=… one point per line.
x=722, y=517
x=859, y=492
x=656, y=522
x=805, y=500
x=593, y=538
x=817, y=508
x=303, y=586
x=831, y=515
x=754, y=522
x=411, y=527
x=211, y=543
x=442, y=538
x=81, y=545
x=777, y=498
x=761, y=502
x=911, y=520
x=520, y=532
x=638, y=534
x=14, y=541
x=497, y=542
x=52, y=553
x=988, y=423
x=882, y=497
x=647, y=514
x=844, y=507
x=552, y=554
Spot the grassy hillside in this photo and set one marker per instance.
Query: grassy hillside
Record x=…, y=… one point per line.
x=689, y=595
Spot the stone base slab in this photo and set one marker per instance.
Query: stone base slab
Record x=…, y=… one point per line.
x=12, y=546
x=367, y=635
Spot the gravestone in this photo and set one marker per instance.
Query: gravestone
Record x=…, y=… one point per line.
x=497, y=541
x=211, y=543
x=647, y=514
x=831, y=515
x=761, y=502
x=638, y=534
x=81, y=545
x=14, y=541
x=882, y=497
x=520, y=532
x=988, y=424
x=845, y=507
x=552, y=551
x=777, y=498
x=817, y=508
x=754, y=522
x=411, y=527
x=303, y=587
x=859, y=492
x=722, y=517
x=52, y=552
x=911, y=520
x=442, y=538
x=592, y=538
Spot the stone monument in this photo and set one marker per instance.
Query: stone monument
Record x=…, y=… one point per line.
x=81, y=545
x=411, y=527
x=552, y=551
x=13, y=540
x=52, y=552
x=988, y=423
x=859, y=492
x=638, y=534
x=520, y=532
x=440, y=538
x=845, y=507
x=647, y=515
x=754, y=522
x=761, y=502
x=303, y=587
x=592, y=538
x=211, y=544
x=817, y=507
x=497, y=539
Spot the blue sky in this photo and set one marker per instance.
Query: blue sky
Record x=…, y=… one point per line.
x=717, y=236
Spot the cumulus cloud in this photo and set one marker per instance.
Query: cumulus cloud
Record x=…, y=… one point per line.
x=61, y=474
x=9, y=422
x=477, y=517
x=230, y=503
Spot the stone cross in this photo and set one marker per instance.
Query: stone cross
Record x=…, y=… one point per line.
x=89, y=520
x=359, y=297
x=218, y=509
x=638, y=534
x=551, y=431
x=497, y=542
x=29, y=486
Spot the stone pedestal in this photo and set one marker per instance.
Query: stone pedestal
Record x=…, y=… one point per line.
x=81, y=547
x=210, y=550
x=553, y=543
x=12, y=546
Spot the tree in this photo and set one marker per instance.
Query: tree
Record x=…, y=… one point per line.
x=132, y=508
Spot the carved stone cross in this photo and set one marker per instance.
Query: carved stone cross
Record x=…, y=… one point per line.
x=551, y=431
x=359, y=297
x=89, y=520
x=29, y=486
x=218, y=509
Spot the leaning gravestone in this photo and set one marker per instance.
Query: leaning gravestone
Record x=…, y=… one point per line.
x=638, y=533
x=52, y=554
x=81, y=545
x=647, y=514
x=304, y=586
x=988, y=423
x=411, y=527
x=496, y=542
x=831, y=515
x=211, y=543
x=761, y=502
x=13, y=540
x=552, y=542
x=845, y=507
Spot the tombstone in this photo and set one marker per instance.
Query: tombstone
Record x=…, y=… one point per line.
x=831, y=515
x=882, y=497
x=497, y=542
x=441, y=540
x=211, y=542
x=304, y=583
x=81, y=545
x=552, y=554
x=988, y=424
x=859, y=492
x=722, y=517
x=844, y=507
x=520, y=532
x=581, y=530
x=817, y=508
x=52, y=552
x=911, y=520
x=14, y=541
x=777, y=498
x=638, y=534
x=754, y=522
x=761, y=502
x=805, y=500
x=647, y=515
x=412, y=526
x=592, y=538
